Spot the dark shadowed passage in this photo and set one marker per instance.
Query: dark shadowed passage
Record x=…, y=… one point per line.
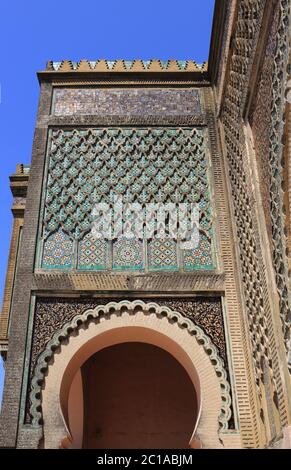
x=137, y=396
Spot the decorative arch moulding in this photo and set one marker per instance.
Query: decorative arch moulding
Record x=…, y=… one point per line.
x=105, y=312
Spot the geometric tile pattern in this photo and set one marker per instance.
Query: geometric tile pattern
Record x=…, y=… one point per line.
x=58, y=251
x=162, y=254
x=142, y=165
x=92, y=253
x=200, y=257
x=128, y=253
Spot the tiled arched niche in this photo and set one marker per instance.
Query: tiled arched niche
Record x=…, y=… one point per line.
x=136, y=321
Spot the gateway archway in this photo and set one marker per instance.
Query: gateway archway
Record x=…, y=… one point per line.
x=135, y=395
x=129, y=322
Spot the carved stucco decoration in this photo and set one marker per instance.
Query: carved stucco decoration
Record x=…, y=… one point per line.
x=260, y=119
x=267, y=121
x=279, y=84
x=244, y=44
x=130, y=307
x=52, y=314
x=258, y=301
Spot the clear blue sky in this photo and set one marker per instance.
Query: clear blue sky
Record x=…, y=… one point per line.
x=33, y=32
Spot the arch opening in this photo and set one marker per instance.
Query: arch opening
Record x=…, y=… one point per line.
x=135, y=395
x=72, y=389
x=177, y=338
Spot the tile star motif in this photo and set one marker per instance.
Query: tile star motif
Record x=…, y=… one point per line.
x=92, y=253
x=58, y=251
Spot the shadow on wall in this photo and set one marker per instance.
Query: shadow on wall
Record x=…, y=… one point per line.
x=2, y=373
x=137, y=385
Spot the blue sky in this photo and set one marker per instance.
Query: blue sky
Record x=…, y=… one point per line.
x=33, y=32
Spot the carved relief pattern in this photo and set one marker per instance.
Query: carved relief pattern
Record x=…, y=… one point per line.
x=276, y=154
x=224, y=46
x=51, y=314
x=259, y=310
x=105, y=308
x=207, y=313
x=152, y=165
x=248, y=25
x=267, y=124
x=260, y=120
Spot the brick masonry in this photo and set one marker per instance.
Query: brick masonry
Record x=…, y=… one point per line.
x=14, y=432
x=238, y=215
x=22, y=293
x=136, y=106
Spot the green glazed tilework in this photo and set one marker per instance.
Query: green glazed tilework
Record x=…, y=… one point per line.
x=143, y=165
x=162, y=254
x=200, y=257
x=92, y=253
x=128, y=254
x=58, y=253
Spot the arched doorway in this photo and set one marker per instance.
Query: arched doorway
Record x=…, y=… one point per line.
x=118, y=323
x=136, y=395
